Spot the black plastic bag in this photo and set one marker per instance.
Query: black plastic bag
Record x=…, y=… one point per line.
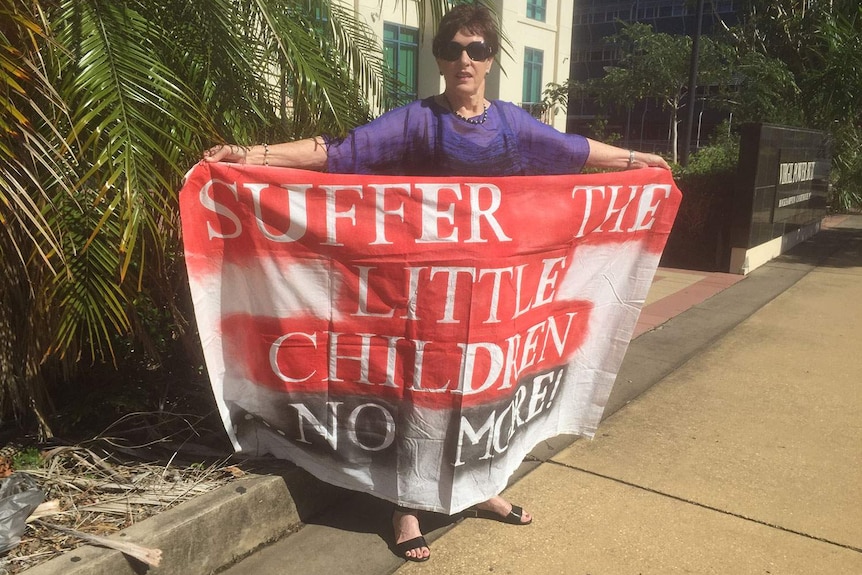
x=19, y=497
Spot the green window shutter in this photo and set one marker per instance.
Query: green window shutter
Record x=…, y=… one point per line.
x=401, y=52
x=532, y=91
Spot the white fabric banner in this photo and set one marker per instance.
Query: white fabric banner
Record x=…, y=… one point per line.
x=415, y=338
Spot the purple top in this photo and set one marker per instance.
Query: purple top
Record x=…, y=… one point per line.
x=424, y=138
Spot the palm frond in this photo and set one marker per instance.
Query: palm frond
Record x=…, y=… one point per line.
x=104, y=104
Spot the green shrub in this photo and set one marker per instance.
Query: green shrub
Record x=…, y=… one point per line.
x=846, y=174
x=698, y=239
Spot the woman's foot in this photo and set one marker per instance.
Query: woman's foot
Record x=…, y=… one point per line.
x=500, y=509
x=409, y=541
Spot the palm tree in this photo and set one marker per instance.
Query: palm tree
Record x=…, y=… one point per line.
x=104, y=104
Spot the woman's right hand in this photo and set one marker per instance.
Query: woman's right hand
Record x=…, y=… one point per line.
x=307, y=154
x=226, y=153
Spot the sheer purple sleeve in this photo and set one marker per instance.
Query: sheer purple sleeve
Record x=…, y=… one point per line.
x=544, y=149
x=390, y=144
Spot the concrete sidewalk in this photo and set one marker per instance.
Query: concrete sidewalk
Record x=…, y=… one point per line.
x=747, y=459
x=744, y=459
x=735, y=447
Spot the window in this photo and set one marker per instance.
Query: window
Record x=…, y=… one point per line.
x=536, y=9
x=532, y=93
x=648, y=13
x=401, y=50
x=723, y=6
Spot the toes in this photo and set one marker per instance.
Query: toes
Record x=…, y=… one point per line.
x=504, y=509
x=406, y=527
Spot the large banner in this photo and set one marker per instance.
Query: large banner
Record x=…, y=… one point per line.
x=415, y=338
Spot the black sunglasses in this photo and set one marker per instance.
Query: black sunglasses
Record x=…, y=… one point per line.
x=478, y=51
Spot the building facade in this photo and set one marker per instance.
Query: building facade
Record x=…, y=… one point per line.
x=548, y=41
x=536, y=50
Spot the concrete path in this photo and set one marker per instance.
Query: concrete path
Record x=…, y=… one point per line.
x=744, y=455
x=748, y=459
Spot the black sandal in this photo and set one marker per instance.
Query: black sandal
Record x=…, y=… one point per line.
x=416, y=543
x=515, y=516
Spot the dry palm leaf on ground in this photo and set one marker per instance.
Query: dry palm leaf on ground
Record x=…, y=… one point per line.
x=97, y=491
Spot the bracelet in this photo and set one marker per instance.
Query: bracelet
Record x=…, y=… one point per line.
x=631, y=158
x=265, y=154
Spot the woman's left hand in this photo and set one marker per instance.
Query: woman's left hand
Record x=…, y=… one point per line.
x=644, y=160
x=606, y=156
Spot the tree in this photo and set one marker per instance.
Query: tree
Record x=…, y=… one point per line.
x=762, y=89
x=656, y=65
x=104, y=104
x=819, y=45
x=837, y=106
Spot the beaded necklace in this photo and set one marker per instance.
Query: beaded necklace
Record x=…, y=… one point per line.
x=468, y=120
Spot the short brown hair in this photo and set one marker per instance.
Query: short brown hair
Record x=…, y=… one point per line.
x=475, y=19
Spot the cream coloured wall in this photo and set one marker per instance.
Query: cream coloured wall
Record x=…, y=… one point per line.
x=553, y=37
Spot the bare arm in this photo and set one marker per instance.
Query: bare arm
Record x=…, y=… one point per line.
x=308, y=154
x=607, y=156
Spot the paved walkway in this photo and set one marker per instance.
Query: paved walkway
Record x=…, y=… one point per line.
x=675, y=291
x=747, y=459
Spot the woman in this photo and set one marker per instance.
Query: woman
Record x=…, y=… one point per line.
x=458, y=132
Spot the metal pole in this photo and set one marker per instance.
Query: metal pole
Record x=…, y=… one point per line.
x=692, y=87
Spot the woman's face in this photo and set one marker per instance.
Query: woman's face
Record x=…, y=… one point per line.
x=466, y=75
